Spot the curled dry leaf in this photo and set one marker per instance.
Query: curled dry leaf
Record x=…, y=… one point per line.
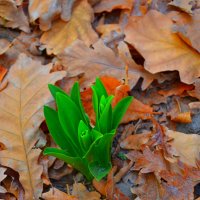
x=81, y=192
x=162, y=49
x=48, y=10
x=99, y=61
x=55, y=194
x=13, y=16
x=187, y=146
x=109, y=5
x=62, y=34
x=21, y=115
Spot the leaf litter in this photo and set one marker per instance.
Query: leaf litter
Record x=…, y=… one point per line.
x=148, y=49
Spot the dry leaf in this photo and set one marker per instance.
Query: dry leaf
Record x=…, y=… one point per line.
x=4, y=45
x=55, y=194
x=81, y=192
x=187, y=146
x=62, y=34
x=162, y=50
x=135, y=141
x=3, y=72
x=109, y=5
x=99, y=61
x=185, y=5
x=13, y=16
x=48, y=10
x=21, y=115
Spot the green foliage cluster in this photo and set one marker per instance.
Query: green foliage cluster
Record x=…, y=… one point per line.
x=86, y=148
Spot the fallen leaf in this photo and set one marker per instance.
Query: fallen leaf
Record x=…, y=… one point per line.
x=99, y=61
x=4, y=45
x=62, y=34
x=109, y=5
x=114, y=87
x=48, y=10
x=21, y=115
x=135, y=141
x=185, y=5
x=162, y=49
x=3, y=72
x=55, y=194
x=13, y=16
x=176, y=89
x=176, y=186
x=81, y=192
x=187, y=146
x=148, y=187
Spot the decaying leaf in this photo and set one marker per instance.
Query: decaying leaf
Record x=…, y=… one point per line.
x=62, y=34
x=162, y=50
x=187, y=145
x=3, y=72
x=12, y=16
x=21, y=115
x=109, y=5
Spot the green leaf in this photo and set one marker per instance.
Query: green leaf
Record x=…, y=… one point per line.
x=105, y=119
x=59, y=136
x=98, y=170
x=119, y=111
x=54, y=89
x=76, y=98
x=77, y=162
x=100, y=88
x=84, y=136
x=69, y=116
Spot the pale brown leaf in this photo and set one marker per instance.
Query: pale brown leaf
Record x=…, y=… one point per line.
x=162, y=50
x=21, y=113
x=63, y=33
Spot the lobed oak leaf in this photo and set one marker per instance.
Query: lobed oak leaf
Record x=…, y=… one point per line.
x=13, y=16
x=100, y=61
x=21, y=113
x=48, y=10
x=62, y=34
x=109, y=5
x=162, y=49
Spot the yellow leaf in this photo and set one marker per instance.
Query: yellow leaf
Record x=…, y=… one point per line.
x=21, y=113
x=162, y=50
x=63, y=33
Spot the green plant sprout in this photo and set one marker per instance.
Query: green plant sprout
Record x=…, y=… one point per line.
x=86, y=148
